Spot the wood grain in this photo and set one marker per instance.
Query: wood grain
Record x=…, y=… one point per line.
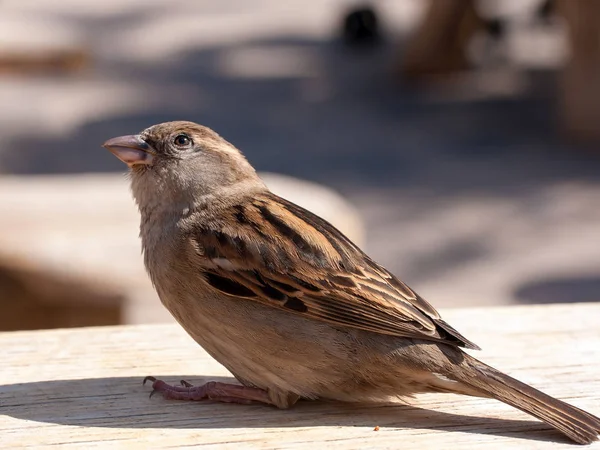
x=81, y=388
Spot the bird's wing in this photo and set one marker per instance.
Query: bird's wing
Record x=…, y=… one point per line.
x=279, y=254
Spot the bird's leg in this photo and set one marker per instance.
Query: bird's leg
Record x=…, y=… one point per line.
x=213, y=390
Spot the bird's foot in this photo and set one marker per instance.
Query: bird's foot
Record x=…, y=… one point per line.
x=213, y=390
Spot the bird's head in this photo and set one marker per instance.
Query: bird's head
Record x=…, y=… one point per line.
x=182, y=161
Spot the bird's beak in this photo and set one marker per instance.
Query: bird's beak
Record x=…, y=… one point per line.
x=131, y=150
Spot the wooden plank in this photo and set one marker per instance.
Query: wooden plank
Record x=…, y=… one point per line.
x=53, y=61
x=439, y=44
x=580, y=81
x=35, y=297
x=82, y=388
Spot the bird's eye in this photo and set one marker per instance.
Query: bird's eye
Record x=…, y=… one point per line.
x=181, y=140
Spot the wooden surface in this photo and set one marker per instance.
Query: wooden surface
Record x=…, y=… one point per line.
x=438, y=47
x=82, y=388
x=580, y=82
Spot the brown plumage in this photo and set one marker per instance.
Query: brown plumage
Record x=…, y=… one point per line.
x=309, y=267
x=284, y=300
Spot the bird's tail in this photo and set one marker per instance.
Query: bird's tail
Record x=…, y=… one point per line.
x=580, y=426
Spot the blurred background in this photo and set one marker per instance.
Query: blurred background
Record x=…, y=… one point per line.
x=457, y=141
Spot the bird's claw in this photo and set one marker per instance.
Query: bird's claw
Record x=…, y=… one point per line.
x=213, y=390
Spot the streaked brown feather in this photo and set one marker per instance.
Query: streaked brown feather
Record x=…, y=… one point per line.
x=331, y=279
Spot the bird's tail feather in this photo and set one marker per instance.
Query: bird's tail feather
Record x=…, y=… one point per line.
x=580, y=426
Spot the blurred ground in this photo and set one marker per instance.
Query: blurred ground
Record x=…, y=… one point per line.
x=468, y=194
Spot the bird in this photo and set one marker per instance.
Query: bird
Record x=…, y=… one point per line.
x=286, y=302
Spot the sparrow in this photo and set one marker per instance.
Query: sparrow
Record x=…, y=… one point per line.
x=286, y=302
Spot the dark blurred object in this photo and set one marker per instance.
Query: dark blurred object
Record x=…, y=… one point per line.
x=361, y=27
x=495, y=28
x=580, y=83
x=546, y=10
x=33, y=299
x=439, y=45
x=38, y=62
